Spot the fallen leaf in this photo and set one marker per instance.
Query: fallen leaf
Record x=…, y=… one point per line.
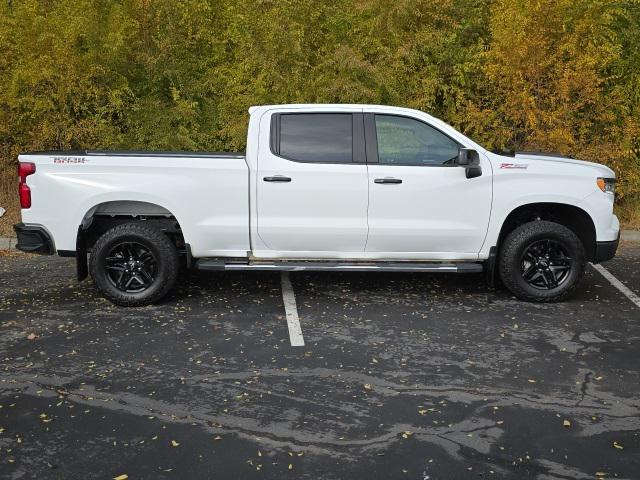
x=406, y=434
x=290, y=466
x=367, y=386
x=124, y=476
x=31, y=336
x=566, y=423
x=618, y=446
x=174, y=443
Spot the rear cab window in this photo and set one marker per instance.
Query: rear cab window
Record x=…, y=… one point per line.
x=313, y=137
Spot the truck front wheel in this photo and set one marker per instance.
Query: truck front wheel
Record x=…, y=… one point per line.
x=134, y=264
x=542, y=261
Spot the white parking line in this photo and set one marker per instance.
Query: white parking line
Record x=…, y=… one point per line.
x=618, y=284
x=291, y=310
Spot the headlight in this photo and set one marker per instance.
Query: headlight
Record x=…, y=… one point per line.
x=607, y=185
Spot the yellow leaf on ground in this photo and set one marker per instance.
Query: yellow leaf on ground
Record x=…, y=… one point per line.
x=618, y=446
x=566, y=423
x=174, y=443
x=124, y=476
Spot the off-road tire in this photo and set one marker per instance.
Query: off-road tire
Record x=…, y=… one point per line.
x=161, y=247
x=513, y=248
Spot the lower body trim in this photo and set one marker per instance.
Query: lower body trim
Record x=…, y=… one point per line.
x=33, y=239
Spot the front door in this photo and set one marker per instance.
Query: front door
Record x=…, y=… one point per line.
x=312, y=186
x=420, y=202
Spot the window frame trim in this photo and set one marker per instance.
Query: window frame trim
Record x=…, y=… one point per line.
x=371, y=141
x=358, y=149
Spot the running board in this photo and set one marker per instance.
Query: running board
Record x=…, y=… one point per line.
x=217, y=264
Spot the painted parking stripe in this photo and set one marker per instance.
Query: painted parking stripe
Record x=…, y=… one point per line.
x=618, y=284
x=291, y=310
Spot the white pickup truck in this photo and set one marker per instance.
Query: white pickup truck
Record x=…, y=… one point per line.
x=321, y=187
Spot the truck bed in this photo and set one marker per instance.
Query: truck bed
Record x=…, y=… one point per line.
x=207, y=191
x=138, y=153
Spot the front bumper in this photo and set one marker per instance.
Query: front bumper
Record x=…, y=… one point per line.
x=33, y=239
x=606, y=250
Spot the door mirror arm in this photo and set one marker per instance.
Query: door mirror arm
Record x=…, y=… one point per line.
x=470, y=160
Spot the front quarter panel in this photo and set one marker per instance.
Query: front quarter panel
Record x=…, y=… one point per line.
x=519, y=182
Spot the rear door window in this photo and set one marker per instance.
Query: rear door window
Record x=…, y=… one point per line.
x=316, y=137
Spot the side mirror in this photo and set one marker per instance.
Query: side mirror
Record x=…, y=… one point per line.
x=470, y=160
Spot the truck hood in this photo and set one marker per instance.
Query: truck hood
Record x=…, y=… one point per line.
x=550, y=157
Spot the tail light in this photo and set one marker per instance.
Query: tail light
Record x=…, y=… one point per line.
x=24, y=170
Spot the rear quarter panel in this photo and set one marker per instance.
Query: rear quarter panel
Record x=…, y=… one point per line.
x=208, y=196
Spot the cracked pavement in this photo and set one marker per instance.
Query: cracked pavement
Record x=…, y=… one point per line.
x=402, y=376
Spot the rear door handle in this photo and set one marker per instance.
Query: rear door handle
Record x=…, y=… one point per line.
x=277, y=178
x=388, y=180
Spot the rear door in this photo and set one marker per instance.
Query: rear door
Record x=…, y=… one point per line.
x=421, y=205
x=312, y=188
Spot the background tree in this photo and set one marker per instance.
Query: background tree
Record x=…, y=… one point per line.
x=559, y=75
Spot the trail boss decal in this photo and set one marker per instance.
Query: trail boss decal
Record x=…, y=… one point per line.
x=522, y=166
x=69, y=160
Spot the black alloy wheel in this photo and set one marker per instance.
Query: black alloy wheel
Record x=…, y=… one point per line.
x=545, y=264
x=131, y=267
x=541, y=261
x=134, y=264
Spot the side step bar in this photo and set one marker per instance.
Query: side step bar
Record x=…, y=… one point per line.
x=292, y=266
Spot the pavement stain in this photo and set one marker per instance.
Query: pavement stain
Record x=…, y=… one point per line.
x=214, y=361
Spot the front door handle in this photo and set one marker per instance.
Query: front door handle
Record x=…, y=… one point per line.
x=388, y=180
x=277, y=178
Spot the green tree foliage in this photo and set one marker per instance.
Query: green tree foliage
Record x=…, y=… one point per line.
x=560, y=75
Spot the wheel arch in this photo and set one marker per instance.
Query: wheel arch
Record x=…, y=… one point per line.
x=571, y=216
x=107, y=214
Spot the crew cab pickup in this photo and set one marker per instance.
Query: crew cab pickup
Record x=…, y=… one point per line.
x=321, y=187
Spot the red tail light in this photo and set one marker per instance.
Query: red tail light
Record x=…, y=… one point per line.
x=24, y=170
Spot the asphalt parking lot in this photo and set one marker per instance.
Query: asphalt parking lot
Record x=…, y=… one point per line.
x=411, y=376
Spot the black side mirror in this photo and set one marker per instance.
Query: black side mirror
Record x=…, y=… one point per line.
x=470, y=160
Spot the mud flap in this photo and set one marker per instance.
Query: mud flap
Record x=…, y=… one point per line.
x=82, y=268
x=490, y=267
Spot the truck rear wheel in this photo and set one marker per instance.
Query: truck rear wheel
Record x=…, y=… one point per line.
x=542, y=262
x=134, y=264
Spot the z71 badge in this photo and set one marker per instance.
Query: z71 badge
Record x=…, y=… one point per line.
x=522, y=166
x=69, y=160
